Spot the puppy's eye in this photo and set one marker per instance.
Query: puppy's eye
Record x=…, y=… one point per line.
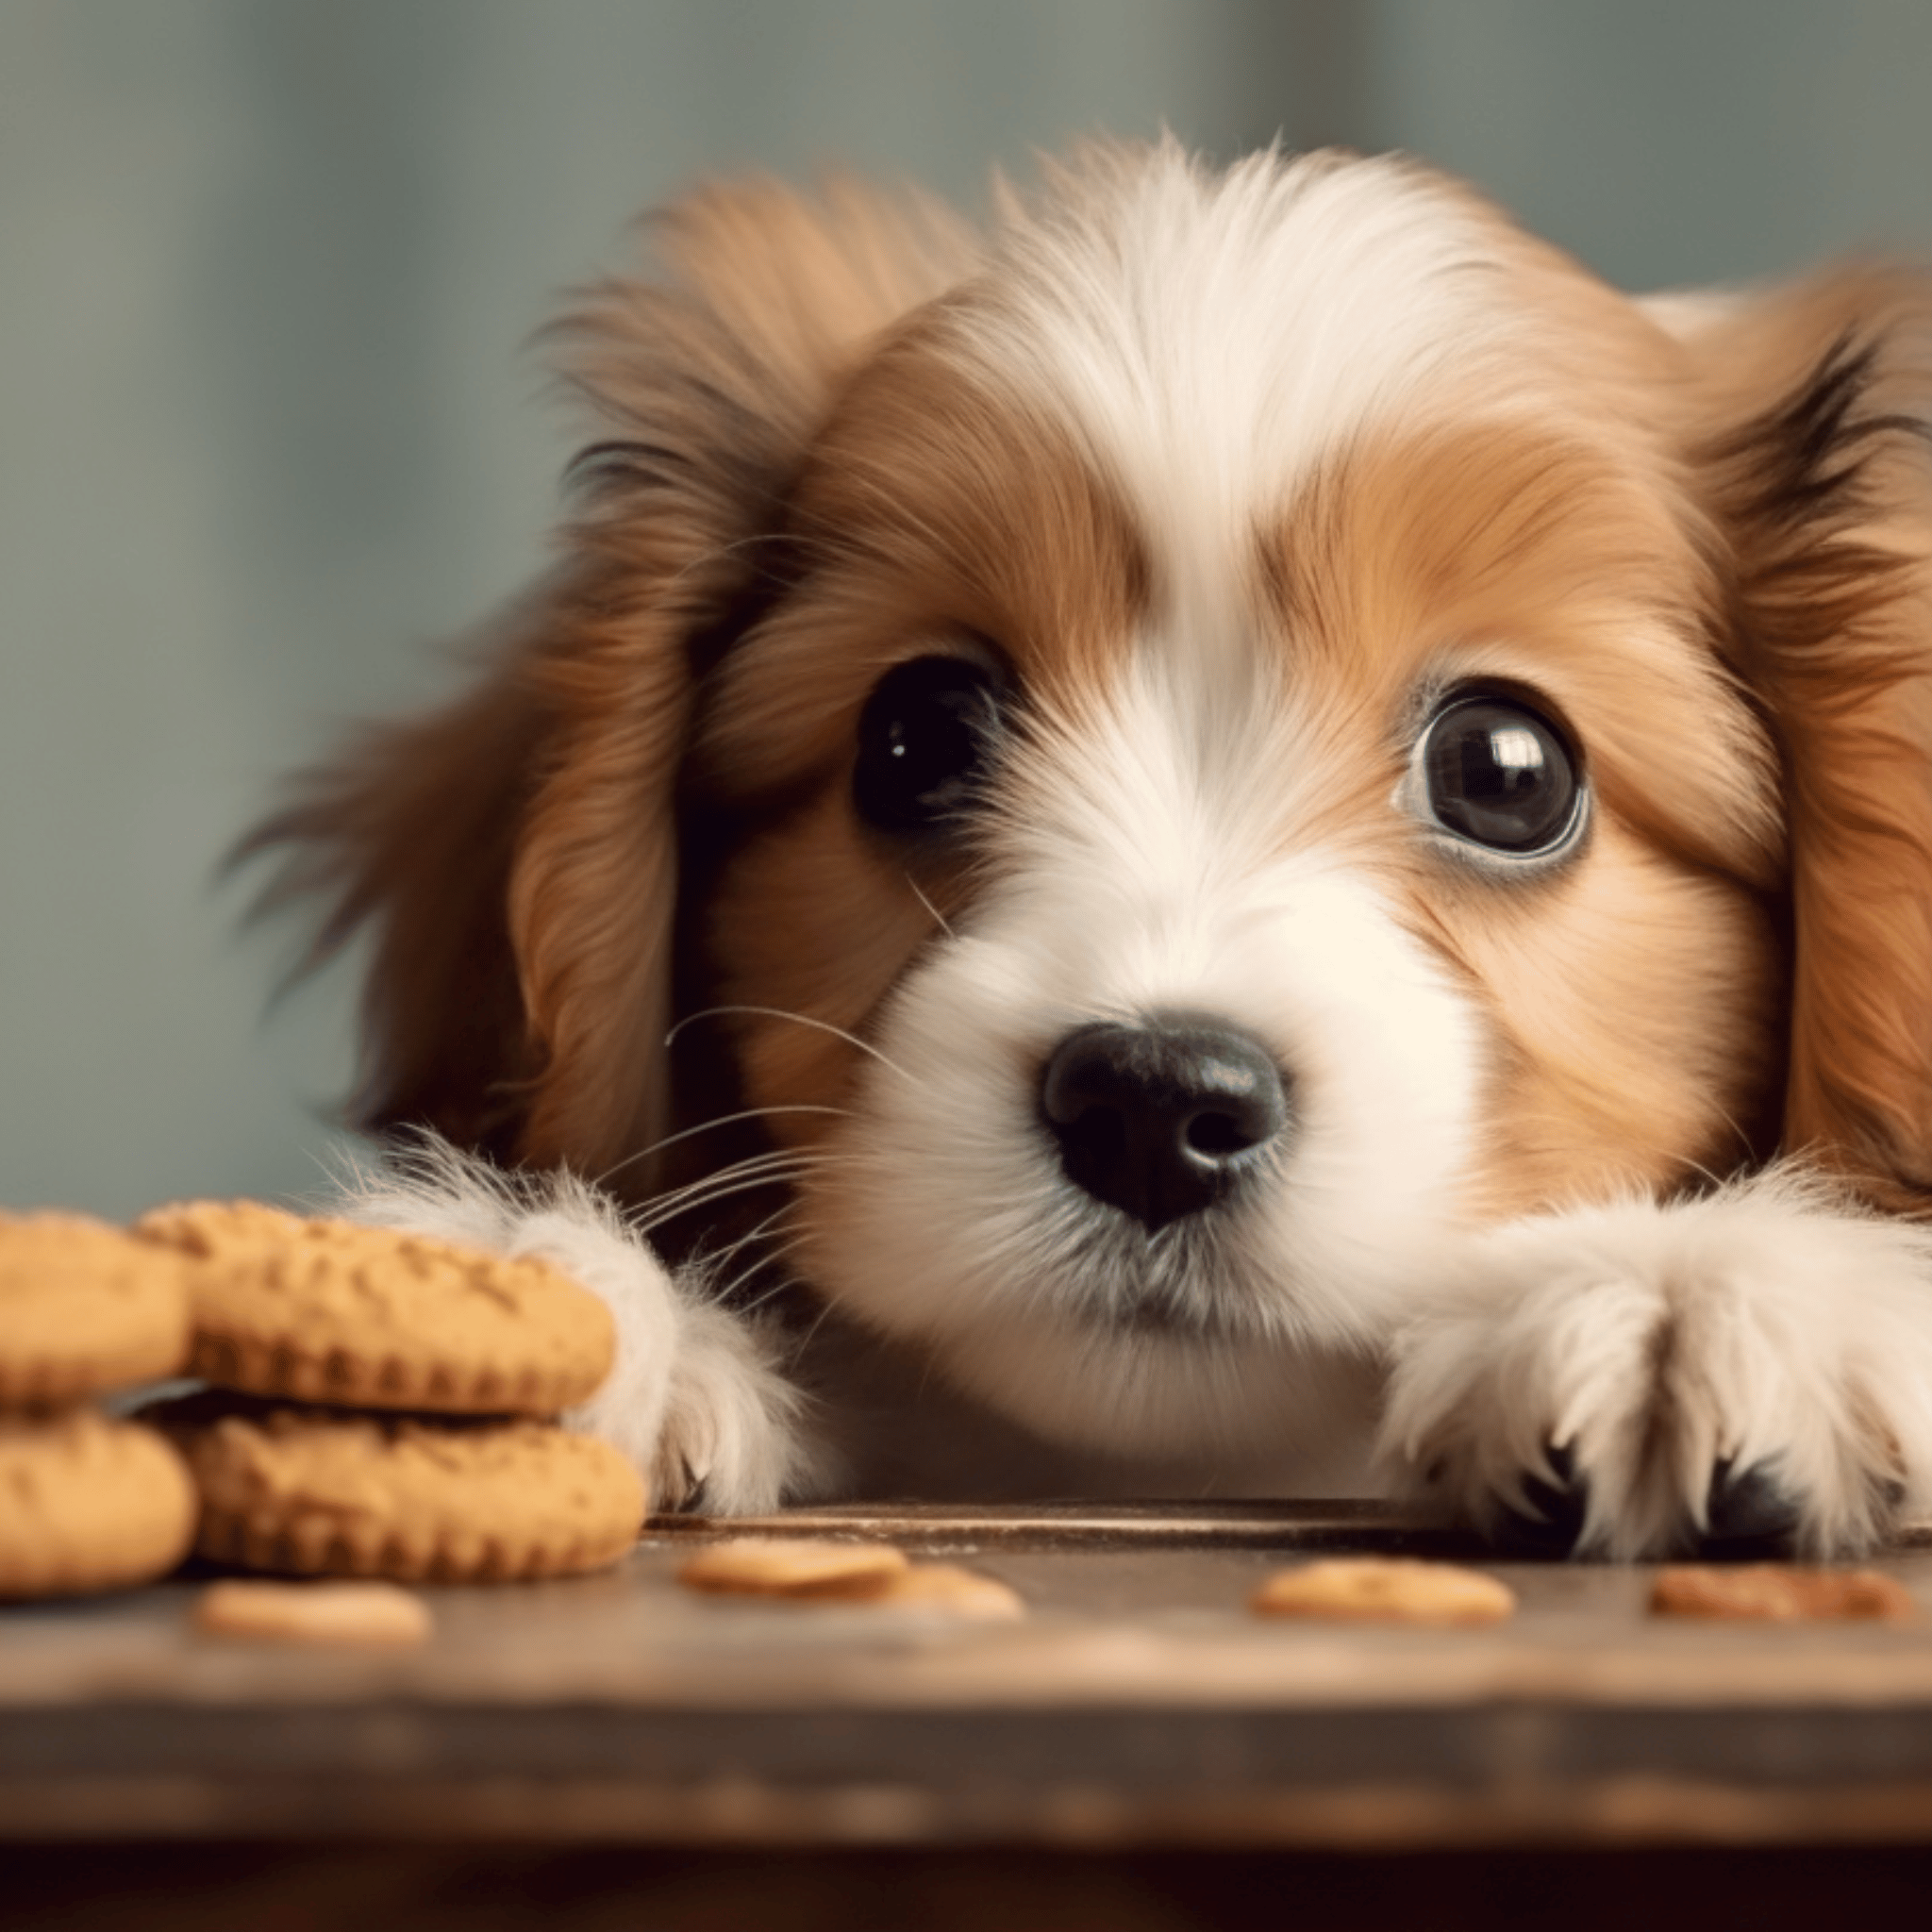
x=1496, y=772
x=926, y=739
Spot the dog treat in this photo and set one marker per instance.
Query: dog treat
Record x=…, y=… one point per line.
x=1384, y=1589
x=83, y=1309
x=785, y=1566
x=819, y=1571
x=89, y=1505
x=349, y=1613
x=948, y=1590
x=331, y=1311
x=310, y=1492
x=1776, y=1592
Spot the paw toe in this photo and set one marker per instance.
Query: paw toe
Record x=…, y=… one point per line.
x=1749, y=1512
x=1552, y=1521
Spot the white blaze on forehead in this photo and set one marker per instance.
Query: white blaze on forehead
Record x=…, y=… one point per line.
x=1211, y=336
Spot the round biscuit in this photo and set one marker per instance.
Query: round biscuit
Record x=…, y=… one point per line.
x=1384, y=1589
x=309, y=1491
x=790, y=1566
x=947, y=1589
x=84, y=1307
x=1777, y=1593
x=328, y=1310
x=89, y=1505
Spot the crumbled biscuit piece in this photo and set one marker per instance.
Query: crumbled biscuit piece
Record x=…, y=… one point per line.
x=1777, y=1593
x=1384, y=1589
x=785, y=1566
x=947, y=1590
x=348, y=1613
x=326, y=1311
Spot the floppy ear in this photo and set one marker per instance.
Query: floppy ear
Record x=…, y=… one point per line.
x=1821, y=477
x=516, y=853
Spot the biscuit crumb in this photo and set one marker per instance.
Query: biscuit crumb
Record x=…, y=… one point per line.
x=785, y=1566
x=1384, y=1589
x=1777, y=1593
x=949, y=1591
x=355, y=1613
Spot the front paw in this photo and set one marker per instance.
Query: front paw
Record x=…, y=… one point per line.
x=1747, y=1512
x=695, y=1396
x=1738, y=1375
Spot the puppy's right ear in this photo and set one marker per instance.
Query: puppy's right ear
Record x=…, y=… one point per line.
x=514, y=855
x=1813, y=403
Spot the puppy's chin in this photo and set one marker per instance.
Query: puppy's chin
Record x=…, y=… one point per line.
x=1180, y=1399
x=1151, y=1355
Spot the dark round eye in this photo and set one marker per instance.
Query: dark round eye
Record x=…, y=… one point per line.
x=1501, y=774
x=926, y=739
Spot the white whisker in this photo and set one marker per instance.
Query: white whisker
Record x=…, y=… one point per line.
x=780, y=1256
x=797, y=1019
x=938, y=918
x=725, y=1120
x=806, y=1341
x=762, y=1168
x=723, y=1256
x=778, y=1166
x=741, y=1183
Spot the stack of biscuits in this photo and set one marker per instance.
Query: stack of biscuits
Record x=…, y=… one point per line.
x=380, y=1404
x=87, y=1502
x=377, y=1404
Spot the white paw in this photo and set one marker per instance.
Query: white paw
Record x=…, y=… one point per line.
x=1641, y=1379
x=695, y=1398
x=709, y=1419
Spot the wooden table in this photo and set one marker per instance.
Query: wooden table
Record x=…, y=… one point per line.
x=1137, y=1704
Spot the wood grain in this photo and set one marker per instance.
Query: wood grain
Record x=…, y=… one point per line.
x=1137, y=1702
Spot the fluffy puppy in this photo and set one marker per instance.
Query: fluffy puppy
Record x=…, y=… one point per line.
x=1244, y=828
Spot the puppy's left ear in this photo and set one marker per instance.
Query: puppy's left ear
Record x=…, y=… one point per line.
x=513, y=858
x=706, y=381
x=1814, y=451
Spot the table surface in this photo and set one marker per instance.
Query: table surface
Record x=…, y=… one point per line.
x=1137, y=1702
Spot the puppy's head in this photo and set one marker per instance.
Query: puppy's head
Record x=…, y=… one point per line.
x=1186, y=750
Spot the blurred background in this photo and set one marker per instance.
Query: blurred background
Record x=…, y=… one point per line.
x=270, y=431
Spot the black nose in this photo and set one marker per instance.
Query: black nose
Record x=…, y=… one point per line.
x=1163, y=1119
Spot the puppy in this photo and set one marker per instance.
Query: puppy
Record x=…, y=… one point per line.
x=1242, y=835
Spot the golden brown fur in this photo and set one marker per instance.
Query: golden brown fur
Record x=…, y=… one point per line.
x=525, y=834
x=1700, y=532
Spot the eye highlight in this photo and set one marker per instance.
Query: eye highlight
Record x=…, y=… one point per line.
x=926, y=740
x=1493, y=771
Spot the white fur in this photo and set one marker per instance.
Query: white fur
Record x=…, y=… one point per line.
x=1148, y=864
x=697, y=1398
x=1211, y=340
x=1767, y=1326
x=1213, y=336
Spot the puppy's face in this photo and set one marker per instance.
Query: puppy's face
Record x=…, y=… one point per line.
x=1238, y=790
x=1232, y=731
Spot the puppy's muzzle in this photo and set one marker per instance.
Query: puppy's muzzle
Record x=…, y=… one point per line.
x=1163, y=1119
